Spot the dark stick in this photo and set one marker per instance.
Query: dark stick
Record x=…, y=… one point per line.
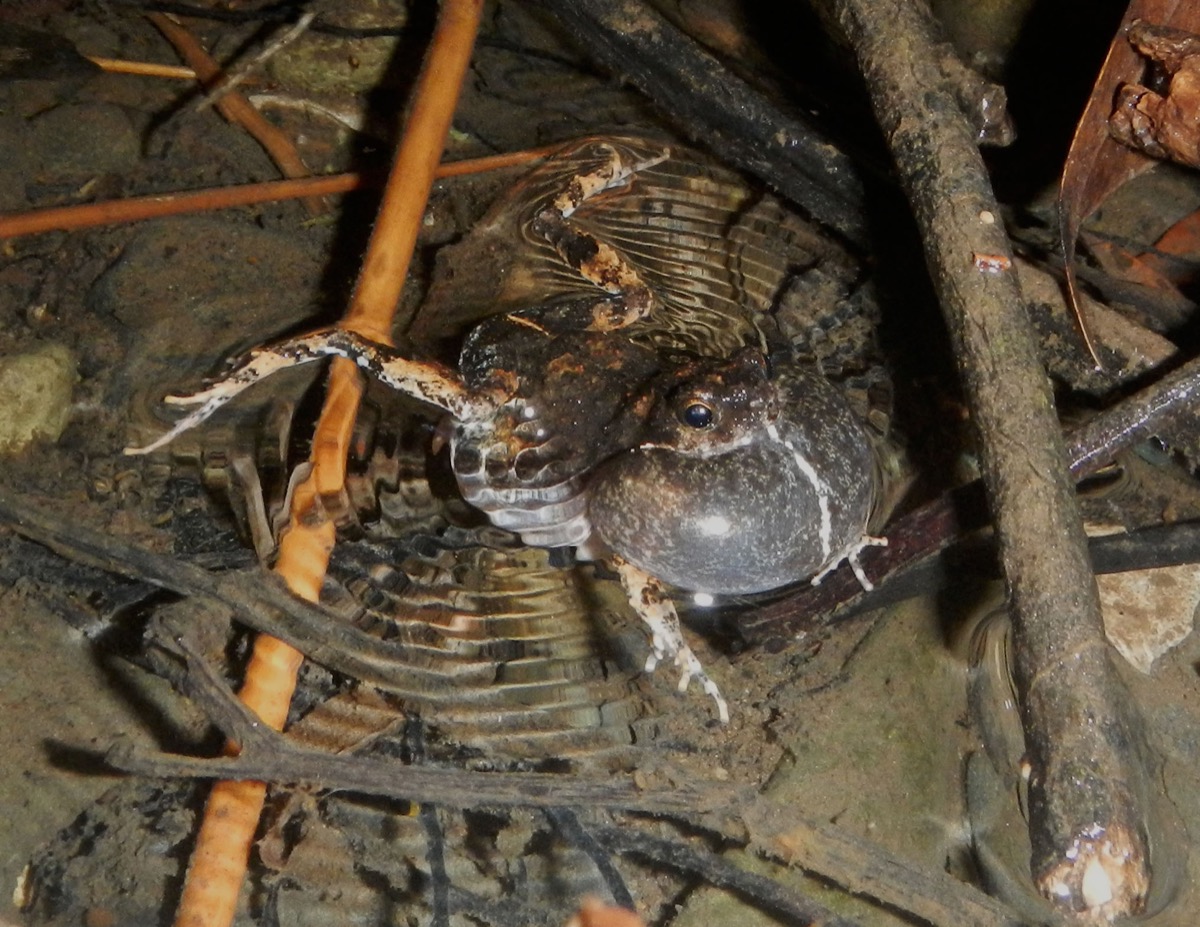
x=1150, y=412
x=453, y=788
x=496, y=912
x=1087, y=827
x=765, y=894
x=719, y=110
x=435, y=856
x=567, y=823
x=930, y=896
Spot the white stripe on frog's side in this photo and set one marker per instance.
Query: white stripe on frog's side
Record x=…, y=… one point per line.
x=831, y=559
x=820, y=487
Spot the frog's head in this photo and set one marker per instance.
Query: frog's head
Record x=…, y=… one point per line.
x=714, y=406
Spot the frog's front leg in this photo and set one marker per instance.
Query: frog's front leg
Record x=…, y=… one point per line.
x=425, y=380
x=656, y=610
x=597, y=261
x=850, y=556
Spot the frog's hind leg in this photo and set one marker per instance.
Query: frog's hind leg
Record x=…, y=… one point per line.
x=426, y=380
x=656, y=610
x=597, y=261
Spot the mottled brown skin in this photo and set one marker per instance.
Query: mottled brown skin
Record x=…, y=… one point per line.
x=649, y=455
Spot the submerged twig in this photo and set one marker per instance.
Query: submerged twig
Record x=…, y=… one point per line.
x=452, y=788
x=142, y=68
x=863, y=869
x=435, y=859
x=1150, y=412
x=763, y=893
x=1088, y=829
x=235, y=77
x=567, y=823
x=158, y=205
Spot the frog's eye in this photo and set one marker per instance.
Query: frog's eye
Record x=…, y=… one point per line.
x=697, y=415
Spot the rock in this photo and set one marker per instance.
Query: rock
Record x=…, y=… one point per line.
x=35, y=394
x=1148, y=612
x=56, y=135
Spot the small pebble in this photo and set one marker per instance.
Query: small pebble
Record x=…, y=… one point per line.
x=35, y=393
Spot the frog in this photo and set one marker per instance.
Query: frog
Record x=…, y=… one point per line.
x=629, y=395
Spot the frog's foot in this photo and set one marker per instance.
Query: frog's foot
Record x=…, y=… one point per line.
x=656, y=610
x=850, y=555
x=259, y=365
x=615, y=170
x=426, y=380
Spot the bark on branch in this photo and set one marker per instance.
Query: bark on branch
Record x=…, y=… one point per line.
x=1088, y=829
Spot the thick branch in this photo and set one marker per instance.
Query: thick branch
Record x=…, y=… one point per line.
x=1087, y=828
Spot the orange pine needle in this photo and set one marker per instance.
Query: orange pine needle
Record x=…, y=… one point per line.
x=158, y=205
x=595, y=913
x=231, y=817
x=142, y=68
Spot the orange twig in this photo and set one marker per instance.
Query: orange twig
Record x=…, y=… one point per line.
x=235, y=107
x=142, y=68
x=223, y=844
x=157, y=205
x=595, y=913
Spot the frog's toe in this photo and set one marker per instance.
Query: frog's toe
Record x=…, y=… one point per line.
x=692, y=668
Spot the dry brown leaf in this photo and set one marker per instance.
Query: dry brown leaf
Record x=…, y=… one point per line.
x=1165, y=125
x=1097, y=164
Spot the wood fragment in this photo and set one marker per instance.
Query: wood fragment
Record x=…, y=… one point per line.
x=868, y=870
x=595, y=913
x=766, y=894
x=1088, y=827
x=143, y=68
x=451, y=788
x=233, y=78
x=1152, y=411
